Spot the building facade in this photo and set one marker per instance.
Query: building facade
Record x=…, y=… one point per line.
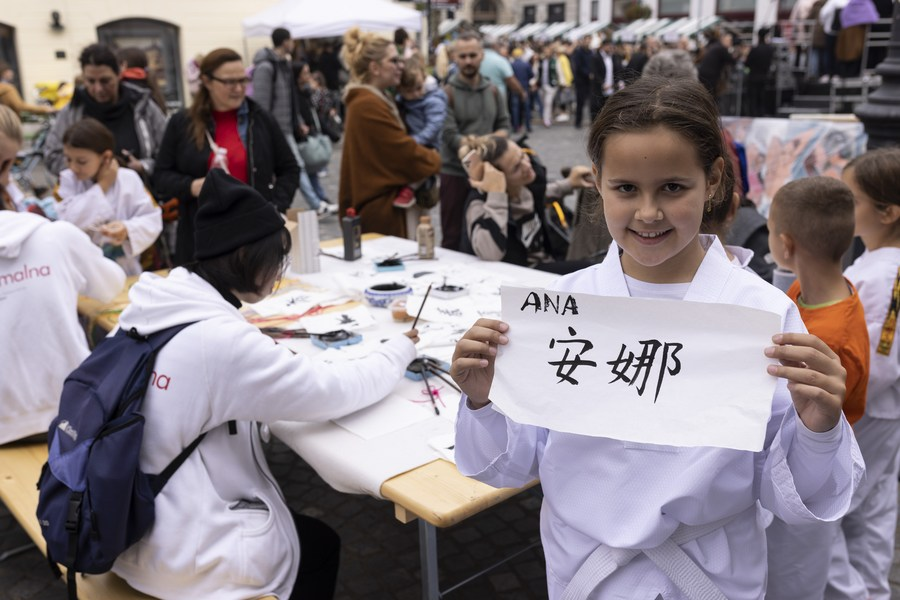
x=42, y=39
x=761, y=12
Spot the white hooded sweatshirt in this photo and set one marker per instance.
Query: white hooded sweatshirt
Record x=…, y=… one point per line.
x=222, y=528
x=43, y=268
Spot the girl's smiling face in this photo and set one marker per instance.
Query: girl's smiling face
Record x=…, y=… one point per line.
x=654, y=191
x=85, y=164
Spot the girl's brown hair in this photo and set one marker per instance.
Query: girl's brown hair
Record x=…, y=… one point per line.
x=877, y=173
x=360, y=49
x=201, y=109
x=89, y=134
x=682, y=105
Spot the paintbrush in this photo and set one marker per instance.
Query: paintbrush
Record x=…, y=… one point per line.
x=421, y=306
x=430, y=392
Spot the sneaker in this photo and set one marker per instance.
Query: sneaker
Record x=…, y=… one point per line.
x=326, y=208
x=824, y=79
x=405, y=198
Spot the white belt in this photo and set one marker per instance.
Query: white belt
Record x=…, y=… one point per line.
x=668, y=556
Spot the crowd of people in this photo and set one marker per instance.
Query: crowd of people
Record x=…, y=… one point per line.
x=663, y=181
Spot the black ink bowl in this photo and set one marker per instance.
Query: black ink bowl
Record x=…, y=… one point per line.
x=382, y=294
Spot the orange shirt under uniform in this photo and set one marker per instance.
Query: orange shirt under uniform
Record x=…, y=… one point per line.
x=842, y=326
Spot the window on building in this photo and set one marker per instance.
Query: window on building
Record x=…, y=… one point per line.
x=484, y=12
x=674, y=8
x=595, y=10
x=736, y=10
x=160, y=41
x=529, y=14
x=784, y=8
x=556, y=13
x=8, y=51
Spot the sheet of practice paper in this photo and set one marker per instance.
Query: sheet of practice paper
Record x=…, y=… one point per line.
x=391, y=414
x=352, y=319
x=641, y=370
x=294, y=302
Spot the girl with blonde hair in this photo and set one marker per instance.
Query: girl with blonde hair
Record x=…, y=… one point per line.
x=379, y=156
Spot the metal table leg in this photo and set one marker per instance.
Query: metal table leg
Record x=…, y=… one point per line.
x=429, y=559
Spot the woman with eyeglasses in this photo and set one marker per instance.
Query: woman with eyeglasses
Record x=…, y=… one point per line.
x=379, y=156
x=226, y=129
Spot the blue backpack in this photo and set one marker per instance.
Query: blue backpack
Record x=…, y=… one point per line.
x=94, y=501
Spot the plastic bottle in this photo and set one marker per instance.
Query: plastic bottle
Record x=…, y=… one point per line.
x=425, y=237
x=352, y=232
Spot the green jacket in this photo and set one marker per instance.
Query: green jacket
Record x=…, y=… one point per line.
x=470, y=111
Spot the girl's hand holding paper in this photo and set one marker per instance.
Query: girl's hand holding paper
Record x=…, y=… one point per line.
x=473, y=360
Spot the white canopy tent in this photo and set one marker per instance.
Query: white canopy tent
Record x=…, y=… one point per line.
x=317, y=19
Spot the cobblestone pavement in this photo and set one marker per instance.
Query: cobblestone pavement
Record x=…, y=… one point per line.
x=380, y=556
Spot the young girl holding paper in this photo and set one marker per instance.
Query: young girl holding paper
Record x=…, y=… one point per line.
x=107, y=202
x=627, y=520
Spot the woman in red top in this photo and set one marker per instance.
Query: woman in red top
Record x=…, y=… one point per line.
x=226, y=129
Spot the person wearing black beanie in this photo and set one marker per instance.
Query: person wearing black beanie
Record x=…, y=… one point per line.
x=222, y=527
x=231, y=214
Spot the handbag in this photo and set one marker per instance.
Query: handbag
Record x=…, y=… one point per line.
x=427, y=194
x=316, y=149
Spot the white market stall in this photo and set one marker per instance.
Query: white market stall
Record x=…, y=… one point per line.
x=316, y=19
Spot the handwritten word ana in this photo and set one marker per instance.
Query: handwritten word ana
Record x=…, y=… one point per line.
x=534, y=300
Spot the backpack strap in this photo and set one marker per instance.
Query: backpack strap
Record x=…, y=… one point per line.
x=157, y=341
x=158, y=482
x=448, y=89
x=72, y=520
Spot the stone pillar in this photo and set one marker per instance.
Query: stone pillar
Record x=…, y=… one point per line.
x=881, y=112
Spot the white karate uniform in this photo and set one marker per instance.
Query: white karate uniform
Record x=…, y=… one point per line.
x=862, y=555
x=635, y=495
x=84, y=204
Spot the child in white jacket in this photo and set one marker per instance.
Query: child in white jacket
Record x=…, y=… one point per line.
x=109, y=203
x=44, y=266
x=222, y=527
x=863, y=553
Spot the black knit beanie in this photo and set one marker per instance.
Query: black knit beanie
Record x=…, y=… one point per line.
x=231, y=215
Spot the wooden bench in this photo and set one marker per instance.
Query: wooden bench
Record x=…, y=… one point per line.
x=20, y=465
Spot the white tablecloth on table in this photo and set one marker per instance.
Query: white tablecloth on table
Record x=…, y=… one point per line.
x=350, y=463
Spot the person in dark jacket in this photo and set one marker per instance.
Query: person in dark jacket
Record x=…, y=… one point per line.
x=609, y=75
x=581, y=71
x=248, y=144
x=128, y=111
x=715, y=60
x=759, y=63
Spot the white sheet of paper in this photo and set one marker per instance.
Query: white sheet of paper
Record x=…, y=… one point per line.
x=353, y=319
x=704, y=385
x=389, y=415
x=460, y=311
x=292, y=302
